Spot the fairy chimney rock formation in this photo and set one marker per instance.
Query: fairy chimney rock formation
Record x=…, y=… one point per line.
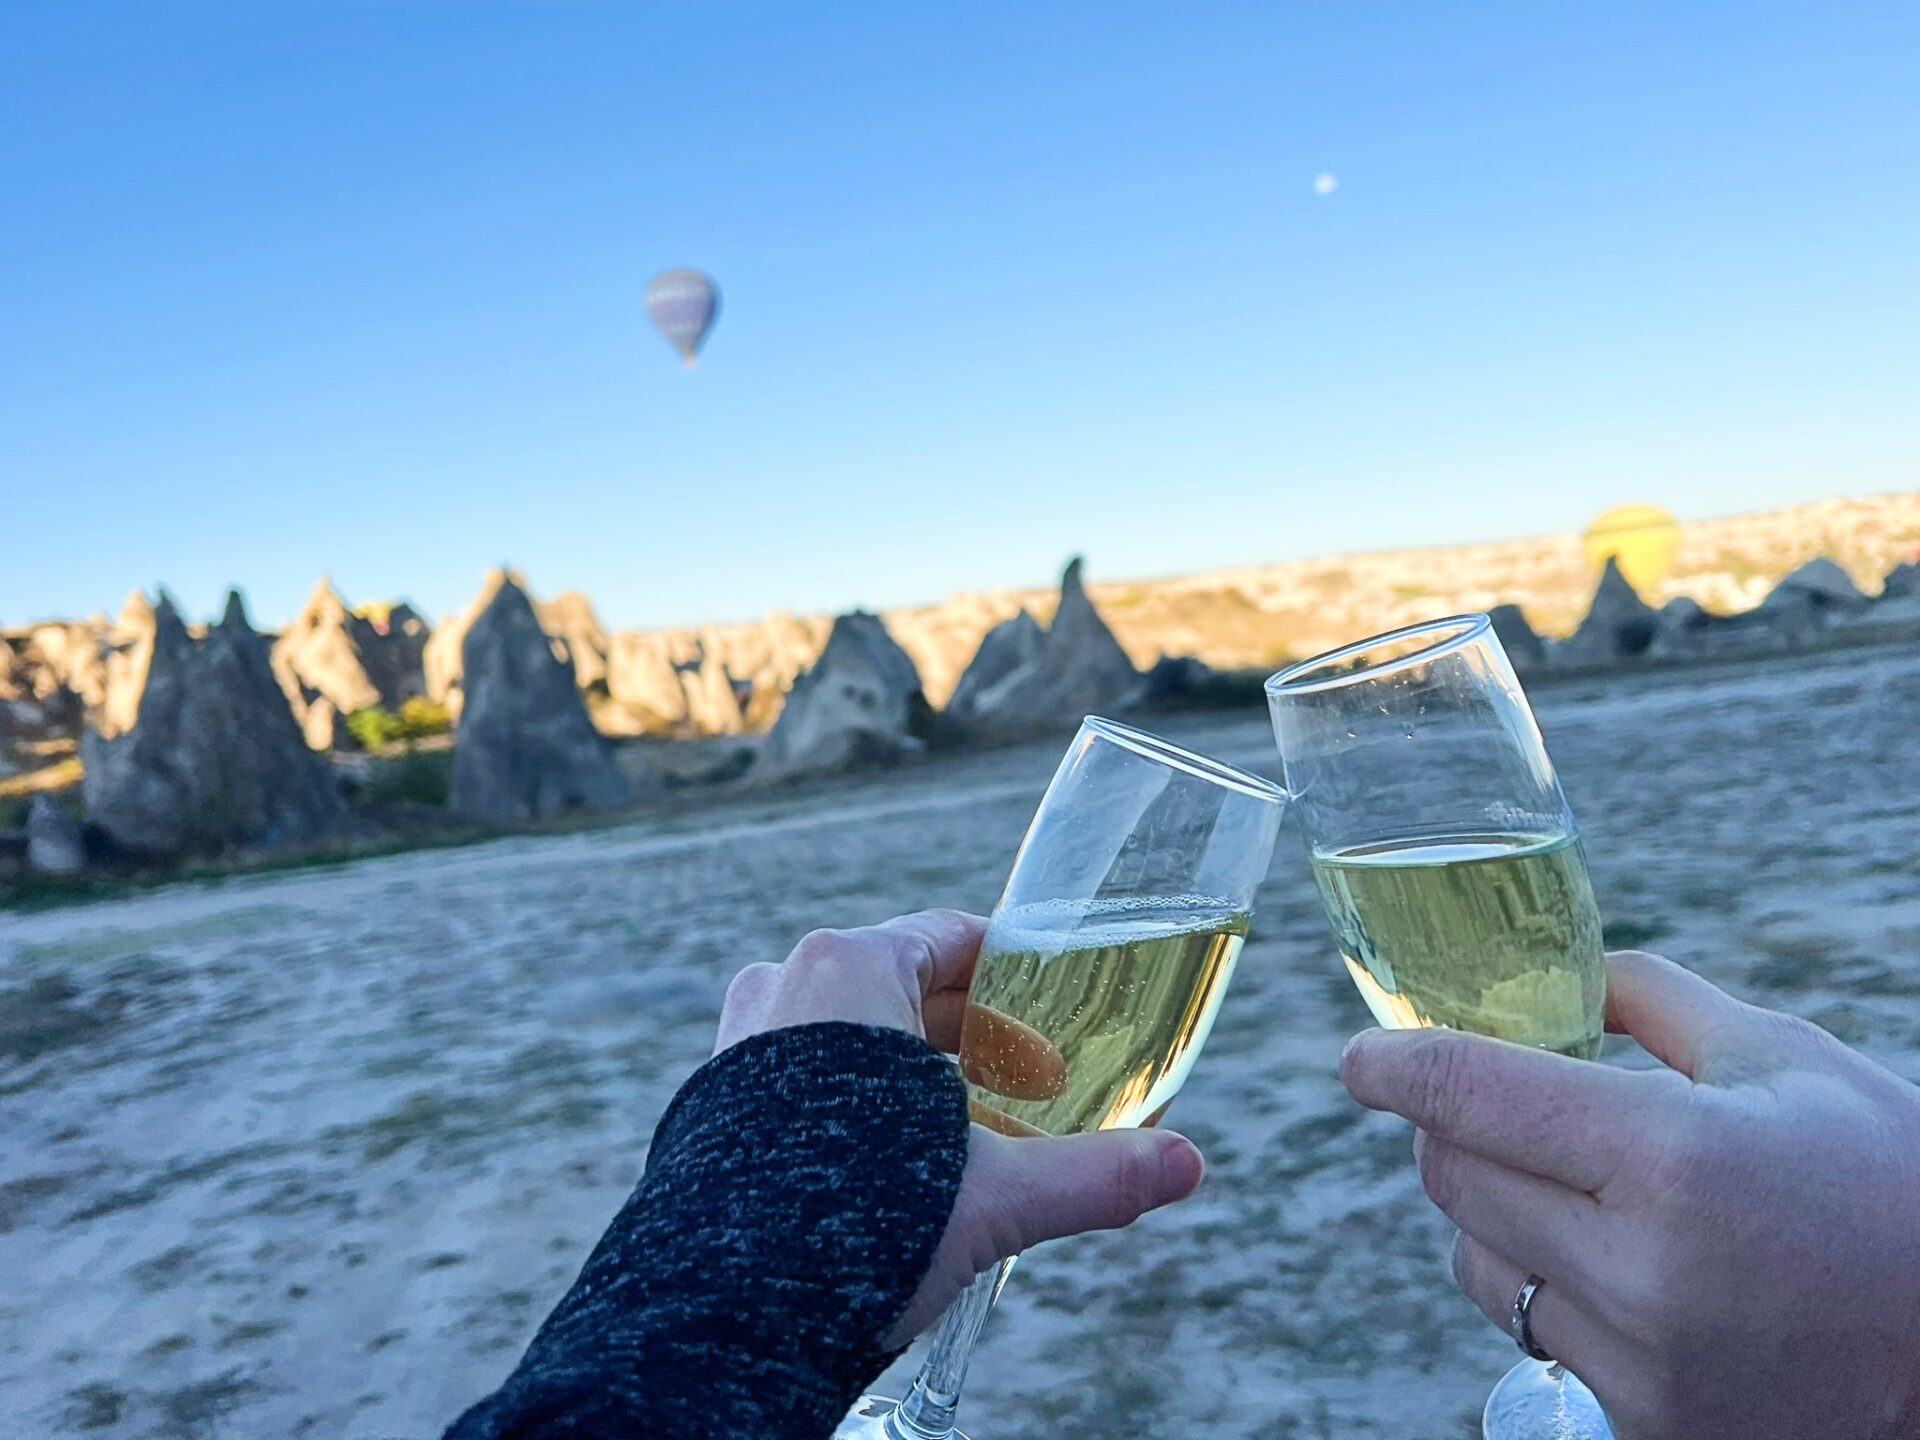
x=1518, y=637
x=1025, y=679
x=645, y=683
x=442, y=657
x=128, y=652
x=214, y=759
x=321, y=662
x=569, y=618
x=860, y=704
x=1683, y=627
x=1819, y=586
x=525, y=746
x=1619, y=625
x=1009, y=654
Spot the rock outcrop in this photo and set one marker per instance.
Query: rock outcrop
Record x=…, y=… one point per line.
x=1682, y=627
x=15, y=682
x=525, y=746
x=1175, y=680
x=1518, y=638
x=646, y=685
x=573, y=633
x=396, y=660
x=67, y=656
x=859, y=705
x=323, y=661
x=729, y=678
x=1619, y=625
x=654, y=693
x=569, y=618
x=1009, y=655
x=214, y=759
x=333, y=662
x=443, y=655
x=128, y=651
x=1819, y=587
x=943, y=639
x=55, y=845
x=1902, y=581
x=713, y=701
x=1032, y=680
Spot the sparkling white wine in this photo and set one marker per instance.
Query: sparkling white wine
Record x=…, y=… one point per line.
x=1497, y=934
x=1088, y=1017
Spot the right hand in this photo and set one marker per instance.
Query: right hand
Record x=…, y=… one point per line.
x=912, y=974
x=1730, y=1247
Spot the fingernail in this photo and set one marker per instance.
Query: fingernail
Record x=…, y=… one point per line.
x=1182, y=1164
x=1354, y=1047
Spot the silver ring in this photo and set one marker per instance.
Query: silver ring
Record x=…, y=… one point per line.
x=1520, y=1326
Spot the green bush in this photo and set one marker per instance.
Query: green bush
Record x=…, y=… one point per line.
x=419, y=718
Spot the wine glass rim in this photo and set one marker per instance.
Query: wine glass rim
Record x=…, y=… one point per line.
x=1202, y=767
x=1454, y=632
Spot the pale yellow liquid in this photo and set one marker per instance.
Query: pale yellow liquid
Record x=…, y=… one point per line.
x=1089, y=1017
x=1497, y=934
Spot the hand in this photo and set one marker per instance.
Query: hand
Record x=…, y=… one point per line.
x=912, y=974
x=1730, y=1247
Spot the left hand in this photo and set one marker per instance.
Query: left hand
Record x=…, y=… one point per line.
x=1729, y=1247
x=912, y=974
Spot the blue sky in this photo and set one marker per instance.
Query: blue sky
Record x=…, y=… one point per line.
x=297, y=287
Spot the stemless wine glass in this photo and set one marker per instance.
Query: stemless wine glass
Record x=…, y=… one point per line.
x=1098, y=981
x=1452, y=876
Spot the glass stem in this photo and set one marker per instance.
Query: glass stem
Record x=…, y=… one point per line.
x=927, y=1412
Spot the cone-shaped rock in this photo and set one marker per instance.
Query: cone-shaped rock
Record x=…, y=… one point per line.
x=445, y=648
x=67, y=656
x=525, y=746
x=1009, y=654
x=643, y=680
x=1031, y=679
x=860, y=704
x=1517, y=637
x=569, y=618
x=1901, y=581
x=713, y=705
x=393, y=651
x=1619, y=625
x=1684, y=627
x=214, y=759
x=1819, y=585
x=128, y=652
x=322, y=663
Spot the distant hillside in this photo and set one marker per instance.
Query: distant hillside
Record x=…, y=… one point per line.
x=1259, y=616
x=1266, y=613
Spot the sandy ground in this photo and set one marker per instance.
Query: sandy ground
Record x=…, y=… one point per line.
x=311, y=1154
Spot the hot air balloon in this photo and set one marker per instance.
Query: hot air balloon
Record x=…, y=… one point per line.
x=1644, y=538
x=682, y=305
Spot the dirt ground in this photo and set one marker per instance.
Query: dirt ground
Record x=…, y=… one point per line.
x=310, y=1154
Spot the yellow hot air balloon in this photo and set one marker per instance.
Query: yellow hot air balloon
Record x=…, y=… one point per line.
x=1644, y=538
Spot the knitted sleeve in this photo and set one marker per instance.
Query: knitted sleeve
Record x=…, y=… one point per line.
x=793, y=1198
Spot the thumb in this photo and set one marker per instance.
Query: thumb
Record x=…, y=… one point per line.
x=1037, y=1189
x=1682, y=1020
x=1016, y=1193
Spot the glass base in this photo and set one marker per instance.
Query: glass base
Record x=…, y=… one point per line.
x=868, y=1421
x=1540, y=1401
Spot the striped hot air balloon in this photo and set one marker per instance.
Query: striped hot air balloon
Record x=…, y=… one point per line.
x=683, y=305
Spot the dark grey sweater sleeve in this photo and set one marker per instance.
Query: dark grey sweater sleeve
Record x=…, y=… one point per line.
x=793, y=1198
